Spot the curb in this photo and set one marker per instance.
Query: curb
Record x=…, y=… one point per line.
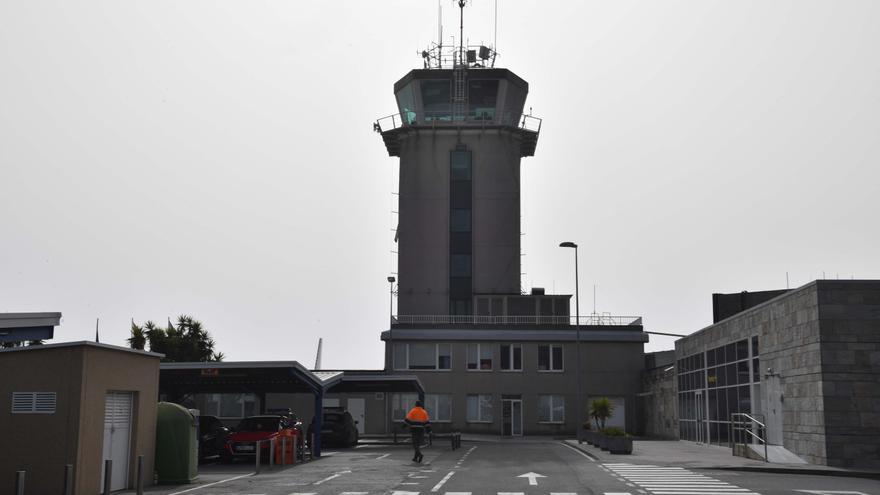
x=761, y=469
x=803, y=471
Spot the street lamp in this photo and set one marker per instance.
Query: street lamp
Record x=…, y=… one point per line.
x=577, y=326
x=391, y=281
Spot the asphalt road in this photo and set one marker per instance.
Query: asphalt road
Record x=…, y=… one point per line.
x=504, y=468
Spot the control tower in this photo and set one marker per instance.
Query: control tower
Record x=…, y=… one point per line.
x=460, y=133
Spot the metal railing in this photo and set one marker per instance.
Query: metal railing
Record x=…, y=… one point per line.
x=450, y=119
x=596, y=319
x=746, y=429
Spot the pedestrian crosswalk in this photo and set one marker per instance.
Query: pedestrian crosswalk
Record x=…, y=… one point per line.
x=666, y=480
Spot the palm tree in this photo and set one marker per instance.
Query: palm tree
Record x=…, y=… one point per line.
x=600, y=410
x=187, y=341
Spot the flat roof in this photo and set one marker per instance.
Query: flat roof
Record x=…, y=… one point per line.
x=599, y=333
x=83, y=343
x=25, y=320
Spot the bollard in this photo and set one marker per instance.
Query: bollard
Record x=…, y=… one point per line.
x=258, y=445
x=108, y=476
x=271, y=453
x=19, y=482
x=68, y=479
x=139, y=476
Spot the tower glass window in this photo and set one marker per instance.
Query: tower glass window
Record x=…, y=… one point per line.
x=437, y=100
x=460, y=232
x=482, y=98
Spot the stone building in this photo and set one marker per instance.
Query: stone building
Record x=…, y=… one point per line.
x=806, y=363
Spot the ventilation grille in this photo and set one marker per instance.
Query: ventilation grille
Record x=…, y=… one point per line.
x=33, y=402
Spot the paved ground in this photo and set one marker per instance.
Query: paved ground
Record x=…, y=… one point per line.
x=504, y=468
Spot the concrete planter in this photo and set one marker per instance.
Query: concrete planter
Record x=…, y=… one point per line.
x=618, y=445
x=590, y=436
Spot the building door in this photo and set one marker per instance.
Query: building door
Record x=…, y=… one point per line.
x=773, y=408
x=700, y=413
x=117, y=438
x=511, y=417
x=356, y=409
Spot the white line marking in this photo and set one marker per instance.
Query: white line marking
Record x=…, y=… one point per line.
x=458, y=493
x=212, y=484
x=413, y=483
x=354, y=493
x=404, y=493
x=444, y=480
x=562, y=493
x=511, y=493
x=382, y=456
x=578, y=451
x=617, y=493
x=297, y=493
x=340, y=473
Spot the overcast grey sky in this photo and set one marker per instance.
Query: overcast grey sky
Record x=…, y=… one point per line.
x=216, y=158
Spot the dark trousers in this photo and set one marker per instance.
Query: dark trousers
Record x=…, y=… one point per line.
x=418, y=438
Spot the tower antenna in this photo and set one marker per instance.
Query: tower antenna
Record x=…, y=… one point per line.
x=461, y=4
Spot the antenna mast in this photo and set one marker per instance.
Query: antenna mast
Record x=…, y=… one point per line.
x=461, y=4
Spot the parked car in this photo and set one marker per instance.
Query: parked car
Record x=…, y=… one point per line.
x=242, y=443
x=338, y=427
x=212, y=436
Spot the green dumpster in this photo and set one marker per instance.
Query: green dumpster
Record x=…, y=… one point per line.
x=177, y=446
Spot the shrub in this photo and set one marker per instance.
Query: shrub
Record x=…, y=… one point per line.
x=614, y=431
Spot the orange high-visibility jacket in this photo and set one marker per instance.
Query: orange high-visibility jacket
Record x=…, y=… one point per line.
x=417, y=417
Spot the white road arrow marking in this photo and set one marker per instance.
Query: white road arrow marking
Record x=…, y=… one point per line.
x=830, y=492
x=533, y=478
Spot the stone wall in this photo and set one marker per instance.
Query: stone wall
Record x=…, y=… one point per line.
x=849, y=313
x=656, y=402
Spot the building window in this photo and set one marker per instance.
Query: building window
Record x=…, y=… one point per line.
x=550, y=357
x=230, y=405
x=479, y=408
x=401, y=404
x=551, y=409
x=479, y=357
x=439, y=407
x=33, y=402
x=511, y=357
x=422, y=356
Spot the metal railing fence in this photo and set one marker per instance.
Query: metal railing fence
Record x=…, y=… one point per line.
x=597, y=319
x=448, y=118
x=746, y=429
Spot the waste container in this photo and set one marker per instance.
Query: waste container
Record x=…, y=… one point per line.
x=177, y=446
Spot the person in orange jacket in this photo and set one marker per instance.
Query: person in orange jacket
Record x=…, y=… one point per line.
x=417, y=419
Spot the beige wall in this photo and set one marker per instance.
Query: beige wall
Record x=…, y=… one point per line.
x=106, y=370
x=40, y=444
x=80, y=375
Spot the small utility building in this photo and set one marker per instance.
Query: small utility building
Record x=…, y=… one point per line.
x=76, y=403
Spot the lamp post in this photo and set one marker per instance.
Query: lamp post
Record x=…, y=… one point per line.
x=577, y=326
x=391, y=281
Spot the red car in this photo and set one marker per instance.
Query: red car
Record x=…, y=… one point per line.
x=243, y=443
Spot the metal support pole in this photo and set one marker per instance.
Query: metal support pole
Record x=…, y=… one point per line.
x=283, y=450
x=68, y=479
x=139, y=479
x=271, y=453
x=108, y=476
x=19, y=482
x=259, y=445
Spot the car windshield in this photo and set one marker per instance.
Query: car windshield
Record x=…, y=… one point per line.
x=258, y=424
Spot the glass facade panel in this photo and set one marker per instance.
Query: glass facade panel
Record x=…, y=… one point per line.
x=479, y=408
x=439, y=407
x=460, y=265
x=444, y=356
x=437, y=100
x=482, y=98
x=422, y=356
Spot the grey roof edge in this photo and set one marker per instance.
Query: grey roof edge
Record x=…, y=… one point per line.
x=753, y=309
x=85, y=343
x=25, y=320
x=618, y=335
x=315, y=380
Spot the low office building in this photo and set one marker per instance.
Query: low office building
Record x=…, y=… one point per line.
x=806, y=363
x=77, y=403
x=518, y=379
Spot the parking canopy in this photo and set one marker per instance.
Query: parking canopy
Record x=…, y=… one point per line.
x=178, y=380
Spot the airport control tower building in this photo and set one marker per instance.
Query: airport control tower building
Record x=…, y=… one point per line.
x=492, y=359
x=460, y=133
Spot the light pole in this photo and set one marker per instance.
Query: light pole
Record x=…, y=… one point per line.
x=577, y=326
x=391, y=281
